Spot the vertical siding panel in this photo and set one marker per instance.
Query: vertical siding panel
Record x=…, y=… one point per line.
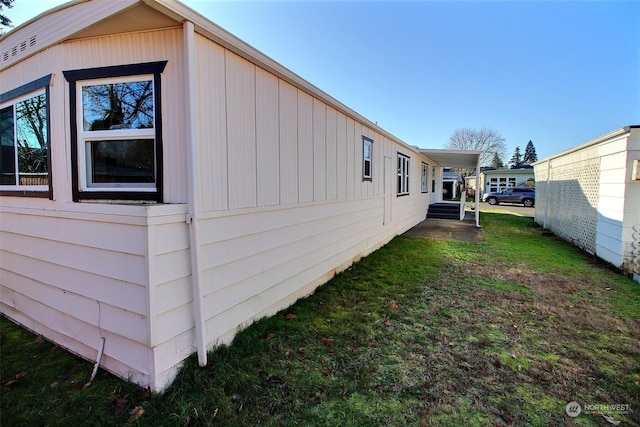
x=212, y=125
x=341, y=153
x=267, y=138
x=357, y=160
x=241, y=131
x=288, y=118
x=133, y=48
x=305, y=147
x=331, y=167
x=351, y=173
x=319, y=150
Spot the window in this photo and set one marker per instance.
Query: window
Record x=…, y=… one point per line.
x=116, y=132
x=403, y=175
x=367, y=154
x=425, y=178
x=24, y=140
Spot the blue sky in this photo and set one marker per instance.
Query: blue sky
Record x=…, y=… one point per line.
x=557, y=73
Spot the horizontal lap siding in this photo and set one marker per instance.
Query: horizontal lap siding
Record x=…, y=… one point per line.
x=257, y=260
x=73, y=276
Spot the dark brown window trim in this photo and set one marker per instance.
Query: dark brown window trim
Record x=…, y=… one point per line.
x=41, y=83
x=73, y=76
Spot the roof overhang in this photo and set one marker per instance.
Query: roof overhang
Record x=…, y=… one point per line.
x=463, y=159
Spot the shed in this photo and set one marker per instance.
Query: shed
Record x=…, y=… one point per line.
x=590, y=196
x=164, y=184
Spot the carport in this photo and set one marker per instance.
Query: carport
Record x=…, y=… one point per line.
x=461, y=159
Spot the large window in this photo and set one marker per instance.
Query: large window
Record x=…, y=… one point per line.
x=425, y=178
x=24, y=140
x=367, y=155
x=403, y=175
x=116, y=132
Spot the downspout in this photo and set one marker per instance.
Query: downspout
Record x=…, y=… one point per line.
x=477, y=192
x=193, y=217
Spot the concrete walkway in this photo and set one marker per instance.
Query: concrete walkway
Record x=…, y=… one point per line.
x=444, y=229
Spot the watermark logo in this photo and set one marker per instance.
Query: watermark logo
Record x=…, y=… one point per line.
x=573, y=409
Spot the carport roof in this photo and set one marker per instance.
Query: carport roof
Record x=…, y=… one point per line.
x=463, y=159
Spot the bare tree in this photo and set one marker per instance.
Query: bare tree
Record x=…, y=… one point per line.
x=5, y=22
x=488, y=141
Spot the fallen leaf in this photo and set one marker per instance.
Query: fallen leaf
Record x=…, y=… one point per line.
x=135, y=413
x=327, y=341
x=118, y=406
x=497, y=363
x=40, y=339
x=270, y=336
x=54, y=384
x=302, y=350
x=290, y=316
x=386, y=320
x=21, y=375
x=54, y=349
x=452, y=344
x=394, y=305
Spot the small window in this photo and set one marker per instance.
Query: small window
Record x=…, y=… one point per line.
x=425, y=178
x=367, y=155
x=403, y=175
x=117, y=132
x=24, y=140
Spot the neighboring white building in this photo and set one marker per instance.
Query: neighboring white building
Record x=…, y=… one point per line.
x=590, y=195
x=501, y=179
x=163, y=184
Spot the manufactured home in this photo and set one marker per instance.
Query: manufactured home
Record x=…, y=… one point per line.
x=163, y=184
x=590, y=196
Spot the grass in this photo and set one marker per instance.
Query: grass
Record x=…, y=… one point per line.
x=422, y=332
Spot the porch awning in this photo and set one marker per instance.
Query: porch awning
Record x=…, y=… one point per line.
x=462, y=159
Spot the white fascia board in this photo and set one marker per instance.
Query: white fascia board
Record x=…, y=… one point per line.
x=614, y=134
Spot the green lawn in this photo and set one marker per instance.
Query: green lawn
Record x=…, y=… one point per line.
x=422, y=332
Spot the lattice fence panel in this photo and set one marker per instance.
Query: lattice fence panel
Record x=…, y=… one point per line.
x=573, y=202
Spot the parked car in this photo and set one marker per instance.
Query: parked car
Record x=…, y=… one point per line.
x=524, y=195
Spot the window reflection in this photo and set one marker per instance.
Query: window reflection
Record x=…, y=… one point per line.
x=126, y=105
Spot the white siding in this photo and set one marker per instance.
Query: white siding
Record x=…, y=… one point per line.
x=241, y=131
x=289, y=165
x=267, y=138
x=66, y=274
x=586, y=196
x=212, y=125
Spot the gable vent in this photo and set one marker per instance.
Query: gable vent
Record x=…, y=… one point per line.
x=21, y=47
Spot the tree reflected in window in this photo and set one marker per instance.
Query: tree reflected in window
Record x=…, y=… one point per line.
x=24, y=142
x=113, y=106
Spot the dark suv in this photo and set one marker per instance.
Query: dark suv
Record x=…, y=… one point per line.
x=524, y=196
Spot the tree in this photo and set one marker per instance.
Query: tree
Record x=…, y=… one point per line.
x=488, y=141
x=5, y=22
x=516, y=159
x=497, y=163
x=530, y=155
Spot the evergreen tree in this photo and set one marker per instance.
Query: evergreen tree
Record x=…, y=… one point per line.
x=530, y=155
x=496, y=163
x=516, y=159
